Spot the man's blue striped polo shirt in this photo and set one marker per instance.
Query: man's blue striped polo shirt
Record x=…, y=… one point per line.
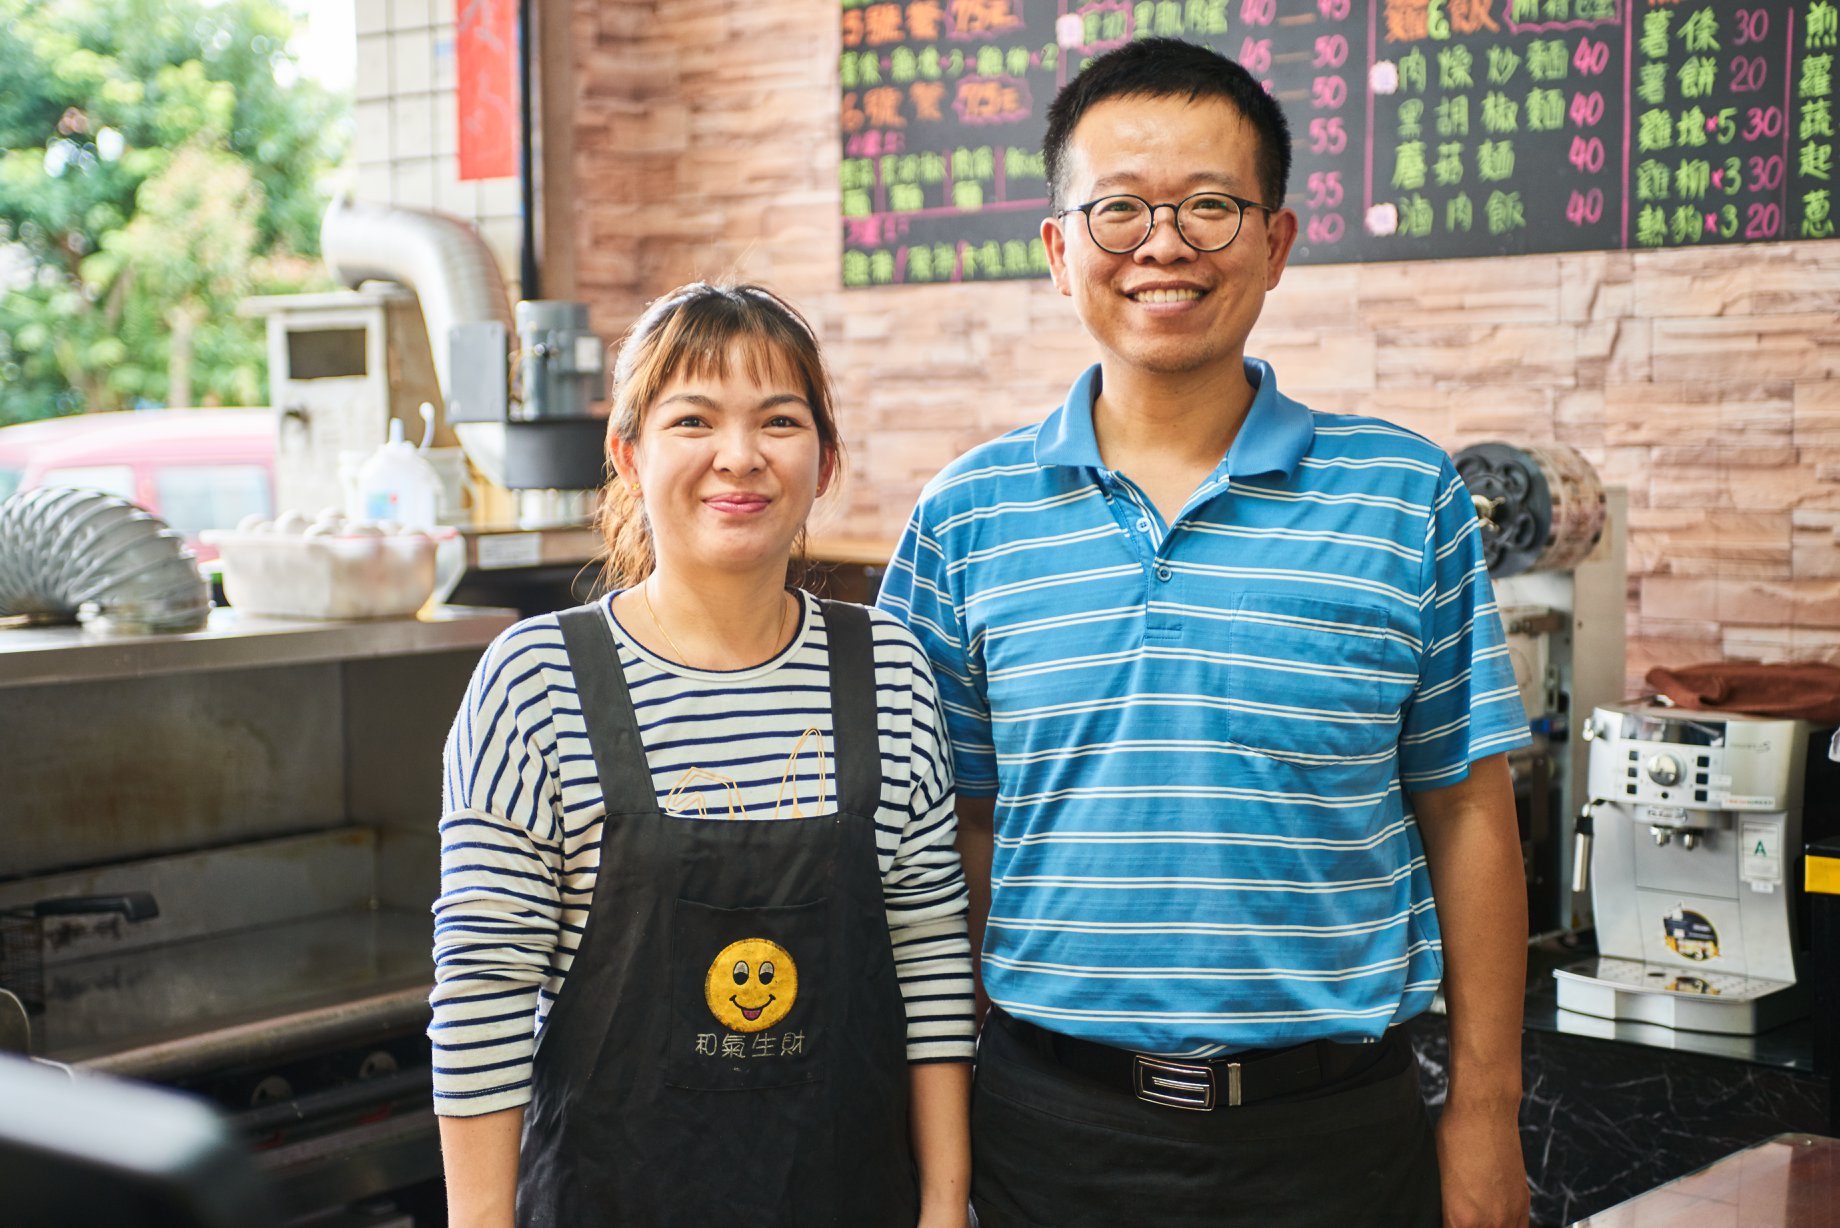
x=1197, y=735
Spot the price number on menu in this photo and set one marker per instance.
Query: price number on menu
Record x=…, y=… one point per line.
x=1327, y=197
x=1589, y=156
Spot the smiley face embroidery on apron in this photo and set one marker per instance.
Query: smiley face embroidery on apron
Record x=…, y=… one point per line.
x=751, y=985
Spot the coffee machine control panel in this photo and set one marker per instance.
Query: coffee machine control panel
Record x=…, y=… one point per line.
x=1674, y=763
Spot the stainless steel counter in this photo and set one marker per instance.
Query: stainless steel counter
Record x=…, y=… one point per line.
x=275, y=785
x=34, y=655
x=126, y=747
x=500, y=547
x=235, y=999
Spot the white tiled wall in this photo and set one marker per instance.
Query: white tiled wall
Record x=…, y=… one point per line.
x=406, y=148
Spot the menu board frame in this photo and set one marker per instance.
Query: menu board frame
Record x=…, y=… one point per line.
x=1422, y=129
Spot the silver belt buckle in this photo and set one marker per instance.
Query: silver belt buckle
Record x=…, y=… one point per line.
x=1180, y=1085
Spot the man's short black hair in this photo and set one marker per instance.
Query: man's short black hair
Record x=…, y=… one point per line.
x=1165, y=68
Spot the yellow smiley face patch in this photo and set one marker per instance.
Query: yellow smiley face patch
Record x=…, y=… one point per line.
x=751, y=984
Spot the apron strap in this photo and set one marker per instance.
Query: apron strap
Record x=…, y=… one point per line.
x=607, y=711
x=855, y=731
x=613, y=729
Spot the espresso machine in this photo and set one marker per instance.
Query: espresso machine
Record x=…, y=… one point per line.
x=1691, y=845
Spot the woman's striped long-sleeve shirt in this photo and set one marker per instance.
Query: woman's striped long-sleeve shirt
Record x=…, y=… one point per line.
x=522, y=814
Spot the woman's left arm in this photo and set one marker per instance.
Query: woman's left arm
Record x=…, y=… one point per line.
x=940, y=1123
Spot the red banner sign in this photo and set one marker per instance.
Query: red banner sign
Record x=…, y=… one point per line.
x=486, y=62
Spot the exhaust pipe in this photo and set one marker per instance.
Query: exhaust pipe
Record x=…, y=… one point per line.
x=441, y=258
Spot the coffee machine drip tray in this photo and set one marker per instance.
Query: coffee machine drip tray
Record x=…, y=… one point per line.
x=1674, y=997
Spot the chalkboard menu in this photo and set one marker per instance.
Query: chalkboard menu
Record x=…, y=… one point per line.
x=1422, y=128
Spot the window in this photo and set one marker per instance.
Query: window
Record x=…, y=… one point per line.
x=115, y=480
x=195, y=497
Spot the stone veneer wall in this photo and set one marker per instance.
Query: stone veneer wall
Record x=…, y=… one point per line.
x=1707, y=383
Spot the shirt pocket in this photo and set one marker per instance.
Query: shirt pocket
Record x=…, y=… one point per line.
x=1313, y=682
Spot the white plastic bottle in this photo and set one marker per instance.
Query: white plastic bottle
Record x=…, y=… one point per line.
x=395, y=483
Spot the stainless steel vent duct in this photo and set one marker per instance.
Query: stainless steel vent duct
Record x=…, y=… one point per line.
x=439, y=257
x=70, y=554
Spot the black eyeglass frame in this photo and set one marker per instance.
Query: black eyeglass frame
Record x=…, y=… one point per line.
x=1175, y=212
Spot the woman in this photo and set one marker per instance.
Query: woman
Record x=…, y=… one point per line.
x=688, y=1020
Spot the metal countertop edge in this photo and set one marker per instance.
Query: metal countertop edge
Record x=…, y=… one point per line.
x=265, y=1039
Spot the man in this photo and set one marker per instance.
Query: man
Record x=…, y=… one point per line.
x=1228, y=704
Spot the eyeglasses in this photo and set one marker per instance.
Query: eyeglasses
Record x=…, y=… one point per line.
x=1206, y=221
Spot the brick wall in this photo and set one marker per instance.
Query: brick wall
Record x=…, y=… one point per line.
x=1708, y=383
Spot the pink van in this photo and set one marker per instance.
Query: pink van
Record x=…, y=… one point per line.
x=194, y=468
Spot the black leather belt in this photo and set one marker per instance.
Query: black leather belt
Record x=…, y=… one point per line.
x=1238, y=1078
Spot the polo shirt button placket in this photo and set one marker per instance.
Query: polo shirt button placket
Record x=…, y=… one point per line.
x=1161, y=623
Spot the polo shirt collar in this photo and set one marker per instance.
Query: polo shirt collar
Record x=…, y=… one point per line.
x=1273, y=439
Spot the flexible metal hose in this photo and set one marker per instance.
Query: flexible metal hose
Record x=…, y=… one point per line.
x=69, y=555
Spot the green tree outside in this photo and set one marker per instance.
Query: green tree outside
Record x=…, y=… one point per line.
x=160, y=160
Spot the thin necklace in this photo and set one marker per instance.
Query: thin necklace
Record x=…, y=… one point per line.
x=645, y=593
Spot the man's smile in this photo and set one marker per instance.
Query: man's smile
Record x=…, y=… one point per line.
x=1183, y=295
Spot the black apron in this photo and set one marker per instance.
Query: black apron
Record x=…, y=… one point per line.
x=729, y=1046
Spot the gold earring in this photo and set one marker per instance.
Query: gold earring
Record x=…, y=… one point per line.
x=634, y=487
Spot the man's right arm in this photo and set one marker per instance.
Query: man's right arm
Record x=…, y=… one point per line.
x=480, y=1157
x=920, y=588
x=976, y=842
